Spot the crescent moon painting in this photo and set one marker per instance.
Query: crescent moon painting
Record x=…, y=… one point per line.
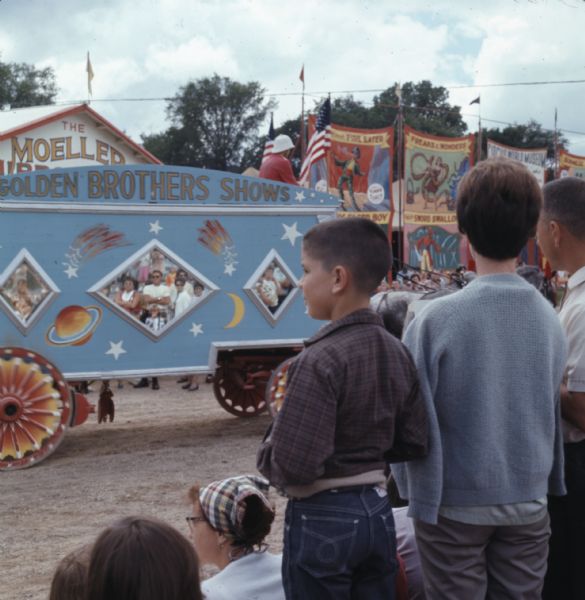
x=239, y=311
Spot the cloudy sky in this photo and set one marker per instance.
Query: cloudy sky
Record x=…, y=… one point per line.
x=149, y=49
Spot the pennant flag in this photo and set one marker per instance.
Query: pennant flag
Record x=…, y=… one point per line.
x=269, y=140
x=89, y=70
x=475, y=101
x=302, y=74
x=320, y=141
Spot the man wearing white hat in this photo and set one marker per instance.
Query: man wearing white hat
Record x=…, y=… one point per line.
x=277, y=166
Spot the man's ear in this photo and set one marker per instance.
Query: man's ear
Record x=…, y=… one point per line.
x=341, y=277
x=556, y=232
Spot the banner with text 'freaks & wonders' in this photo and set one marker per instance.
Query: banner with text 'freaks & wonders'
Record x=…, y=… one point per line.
x=433, y=167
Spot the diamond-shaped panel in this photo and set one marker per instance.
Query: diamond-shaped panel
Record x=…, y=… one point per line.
x=154, y=289
x=26, y=291
x=272, y=287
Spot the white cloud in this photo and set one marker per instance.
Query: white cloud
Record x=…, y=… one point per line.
x=189, y=60
x=150, y=49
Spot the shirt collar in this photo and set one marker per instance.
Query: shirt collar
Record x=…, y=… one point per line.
x=577, y=278
x=363, y=316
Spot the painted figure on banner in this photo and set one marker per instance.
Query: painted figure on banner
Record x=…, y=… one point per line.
x=433, y=248
x=424, y=246
x=432, y=176
x=349, y=168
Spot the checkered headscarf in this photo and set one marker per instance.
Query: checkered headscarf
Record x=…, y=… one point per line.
x=222, y=502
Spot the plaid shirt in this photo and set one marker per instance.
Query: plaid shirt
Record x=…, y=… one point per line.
x=352, y=405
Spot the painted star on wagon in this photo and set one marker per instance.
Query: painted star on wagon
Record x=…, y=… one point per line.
x=155, y=227
x=291, y=233
x=229, y=268
x=116, y=349
x=299, y=196
x=196, y=329
x=71, y=271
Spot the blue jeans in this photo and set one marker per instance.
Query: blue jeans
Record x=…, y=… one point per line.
x=340, y=544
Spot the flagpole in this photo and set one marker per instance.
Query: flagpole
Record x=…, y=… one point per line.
x=478, y=138
x=479, y=144
x=400, y=151
x=327, y=157
x=556, y=148
x=303, y=146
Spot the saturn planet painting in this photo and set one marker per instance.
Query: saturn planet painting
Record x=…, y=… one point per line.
x=74, y=326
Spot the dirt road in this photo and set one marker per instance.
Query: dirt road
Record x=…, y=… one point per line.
x=142, y=464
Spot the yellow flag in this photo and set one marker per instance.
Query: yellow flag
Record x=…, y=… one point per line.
x=89, y=70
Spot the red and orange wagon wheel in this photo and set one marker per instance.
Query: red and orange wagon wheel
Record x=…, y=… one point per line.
x=35, y=408
x=235, y=396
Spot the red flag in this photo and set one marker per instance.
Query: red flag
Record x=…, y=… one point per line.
x=302, y=74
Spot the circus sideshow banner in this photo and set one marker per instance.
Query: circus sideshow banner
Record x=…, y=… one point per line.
x=533, y=158
x=358, y=168
x=571, y=164
x=433, y=167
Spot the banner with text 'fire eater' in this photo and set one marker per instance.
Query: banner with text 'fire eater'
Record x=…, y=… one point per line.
x=358, y=168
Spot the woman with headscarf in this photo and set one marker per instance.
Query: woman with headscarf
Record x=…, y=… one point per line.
x=229, y=523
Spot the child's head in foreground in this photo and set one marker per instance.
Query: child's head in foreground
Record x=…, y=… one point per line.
x=344, y=260
x=70, y=577
x=144, y=559
x=498, y=203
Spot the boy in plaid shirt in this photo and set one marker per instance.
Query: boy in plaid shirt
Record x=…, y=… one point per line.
x=351, y=406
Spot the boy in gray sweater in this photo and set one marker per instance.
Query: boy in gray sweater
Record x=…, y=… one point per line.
x=490, y=360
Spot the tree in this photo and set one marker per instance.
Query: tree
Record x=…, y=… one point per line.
x=24, y=85
x=214, y=124
x=425, y=108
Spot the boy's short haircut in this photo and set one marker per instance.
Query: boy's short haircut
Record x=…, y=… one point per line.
x=564, y=201
x=498, y=204
x=355, y=243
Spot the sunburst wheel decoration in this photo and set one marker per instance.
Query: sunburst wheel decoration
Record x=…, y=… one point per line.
x=276, y=388
x=35, y=408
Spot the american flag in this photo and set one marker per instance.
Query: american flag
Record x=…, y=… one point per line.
x=269, y=140
x=320, y=141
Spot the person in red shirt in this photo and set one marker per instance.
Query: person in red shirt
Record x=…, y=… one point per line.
x=277, y=165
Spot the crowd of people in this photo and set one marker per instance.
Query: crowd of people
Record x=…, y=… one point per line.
x=154, y=290
x=448, y=464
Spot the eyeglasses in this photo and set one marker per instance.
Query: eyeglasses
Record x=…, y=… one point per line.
x=195, y=520
x=156, y=276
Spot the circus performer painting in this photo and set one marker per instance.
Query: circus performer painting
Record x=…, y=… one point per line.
x=432, y=177
x=349, y=168
x=424, y=245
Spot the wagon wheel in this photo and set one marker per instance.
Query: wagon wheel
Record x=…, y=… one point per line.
x=238, y=390
x=276, y=387
x=35, y=408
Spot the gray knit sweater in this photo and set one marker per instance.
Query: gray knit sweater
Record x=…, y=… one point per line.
x=490, y=360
